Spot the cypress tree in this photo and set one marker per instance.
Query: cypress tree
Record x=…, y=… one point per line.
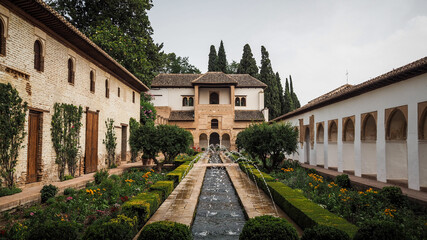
x=281, y=96
x=248, y=63
x=289, y=105
x=267, y=76
x=221, y=64
x=296, y=103
x=212, y=59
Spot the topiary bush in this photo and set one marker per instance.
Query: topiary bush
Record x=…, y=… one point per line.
x=69, y=191
x=120, y=227
x=100, y=176
x=380, y=230
x=394, y=196
x=343, y=181
x=166, y=230
x=321, y=232
x=48, y=191
x=55, y=230
x=268, y=227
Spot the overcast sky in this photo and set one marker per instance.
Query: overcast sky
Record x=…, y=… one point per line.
x=314, y=41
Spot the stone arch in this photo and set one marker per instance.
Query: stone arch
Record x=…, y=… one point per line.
x=369, y=128
x=320, y=133
x=225, y=141
x=214, y=138
x=203, y=140
x=184, y=101
x=348, y=131
x=333, y=132
x=213, y=98
x=396, y=126
x=214, y=124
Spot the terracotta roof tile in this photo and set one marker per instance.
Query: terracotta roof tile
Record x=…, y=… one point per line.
x=397, y=75
x=187, y=80
x=248, y=115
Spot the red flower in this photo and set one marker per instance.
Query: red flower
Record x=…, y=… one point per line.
x=124, y=199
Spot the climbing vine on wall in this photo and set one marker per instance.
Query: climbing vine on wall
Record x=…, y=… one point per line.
x=110, y=143
x=12, y=119
x=65, y=130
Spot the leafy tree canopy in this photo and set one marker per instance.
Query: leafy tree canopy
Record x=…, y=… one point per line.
x=177, y=64
x=248, y=63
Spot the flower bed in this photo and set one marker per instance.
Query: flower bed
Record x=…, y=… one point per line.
x=113, y=209
x=358, y=207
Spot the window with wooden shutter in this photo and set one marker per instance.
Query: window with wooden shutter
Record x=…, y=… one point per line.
x=133, y=97
x=92, y=82
x=2, y=39
x=118, y=91
x=38, y=58
x=107, y=89
x=70, y=71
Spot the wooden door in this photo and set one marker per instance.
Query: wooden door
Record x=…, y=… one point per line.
x=124, y=143
x=33, y=145
x=91, y=146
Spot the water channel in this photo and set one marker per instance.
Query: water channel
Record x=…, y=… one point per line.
x=219, y=214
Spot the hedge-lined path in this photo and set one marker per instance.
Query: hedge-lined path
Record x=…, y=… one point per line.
x=414, y=195
x=30, y=194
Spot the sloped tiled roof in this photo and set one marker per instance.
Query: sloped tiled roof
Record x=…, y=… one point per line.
x=214, y=78
x=397, y=75
x=248, y=115
x=331, y=93
x=181, y=116
x=52, y=20
x=209, y=78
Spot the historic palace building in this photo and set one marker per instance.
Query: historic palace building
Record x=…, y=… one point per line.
x=213, y=106
x=376, y=129
x=49, y=61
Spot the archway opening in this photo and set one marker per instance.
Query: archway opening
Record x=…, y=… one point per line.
x=333, y=132
x=368, y=147
x=203, y=140
x=214, y=98
x=320, y=133
x=396, y=129
x=214, y=138
x=226, y=140
x=348, y=131
x=307, y=145
x=369, y=129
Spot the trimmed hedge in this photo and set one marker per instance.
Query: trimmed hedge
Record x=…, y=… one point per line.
x=143, y=205
x=268, y=227
x=165, y=187
x=306, y=213
x=166, y=230
x=178, y=174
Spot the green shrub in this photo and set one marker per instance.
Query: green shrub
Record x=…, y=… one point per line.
x=55, y=230
x=394, y=196
x=165, y=187
x=90, y=184
x=48, y=191
x=343, y=181
x=268, y=227
x=67, y=177
x=120, y=227
x=166, y=230
x=380, y=230
x=69, y=191
x=4, y=191
x=114, y=177
x=321, y=232
x=100, y=176
x=142, y=206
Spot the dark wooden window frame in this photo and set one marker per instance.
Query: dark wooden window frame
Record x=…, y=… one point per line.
x=118, y=91
x=92, y=81
x=133, y=97
x=107, y=88
x=71, y=74
x=2, y=38
x=38, y=56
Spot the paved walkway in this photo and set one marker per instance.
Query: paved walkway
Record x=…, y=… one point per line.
x=416, y=196
x=181, y=205
x=30, y=194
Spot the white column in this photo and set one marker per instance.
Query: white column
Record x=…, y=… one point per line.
x=412, y=143
x=381, y=156
x=357, y=146
x=325, y=144
x=339, y=145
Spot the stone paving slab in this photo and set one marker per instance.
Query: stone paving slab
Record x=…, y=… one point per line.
x=30, y=195
x=414, y=195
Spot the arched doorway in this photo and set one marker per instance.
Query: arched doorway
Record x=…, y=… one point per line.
x=332, y=145
x=396, y=147
x=214, y=138
x=307, y=145
x=320, y=134
x=348, y=145
x=203, y=140
x=369, y=146
x=226, y=140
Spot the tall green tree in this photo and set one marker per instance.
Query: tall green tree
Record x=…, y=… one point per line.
x=281, y=96
x=12, y=123
x=248, y=63
x=233, y=67
x=289, y=105
x=121, y=28
x=177, y=64
x=296, y=103
x=271, y=94
x=212, y=59
x=222, y=59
